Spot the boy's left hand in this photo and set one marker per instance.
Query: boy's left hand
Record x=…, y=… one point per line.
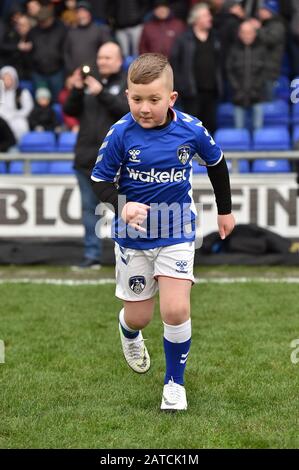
x=226, y=225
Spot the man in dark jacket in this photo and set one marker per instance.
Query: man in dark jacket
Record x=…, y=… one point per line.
x=97, y=103
x=47, y=54
x=83, y=41
x=246, y=75
x=197, y=67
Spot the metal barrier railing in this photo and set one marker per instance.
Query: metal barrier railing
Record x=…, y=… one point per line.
x=233, y=156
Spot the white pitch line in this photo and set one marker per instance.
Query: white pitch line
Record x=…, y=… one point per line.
x=98, y=282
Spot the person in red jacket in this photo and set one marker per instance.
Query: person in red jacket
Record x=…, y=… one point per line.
x=159, y=33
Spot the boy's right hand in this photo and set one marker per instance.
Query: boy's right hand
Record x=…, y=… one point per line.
x=134, y=214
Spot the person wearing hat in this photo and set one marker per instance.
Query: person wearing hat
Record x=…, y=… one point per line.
x=48, y=39
x=159, y=34
x=83, y=41
x=42, y=117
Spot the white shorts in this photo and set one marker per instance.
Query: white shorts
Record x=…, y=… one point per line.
x=137, y=270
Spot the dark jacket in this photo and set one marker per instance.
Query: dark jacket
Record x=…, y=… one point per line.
x=272, y=34
x=96, y=115
x=159, y=35
x=47, y=50
x=125, y=14
x=11, y=55
x=42, y=116
x=182, y=60
x=246, y=73
x=82, y=44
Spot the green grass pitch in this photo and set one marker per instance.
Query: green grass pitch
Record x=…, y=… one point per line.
x=65, y=384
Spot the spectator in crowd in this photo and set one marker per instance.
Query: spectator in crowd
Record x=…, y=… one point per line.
x=48, y=39
x=69, y=14
x=97, y=103
x=271, y=32
x=16, y=48
x=16, y=104
x=159, y=33
x=127, y=20
x=83, y=41
x=70, y=122
x=43, y=117
x=197, y=67
x=33, y=8
x=246, y=75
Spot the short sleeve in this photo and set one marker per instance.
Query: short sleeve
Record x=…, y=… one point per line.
x=208, y=152
x=109, y=158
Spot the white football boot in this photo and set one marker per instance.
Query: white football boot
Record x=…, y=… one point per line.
x=135, y=352
x=174, y=397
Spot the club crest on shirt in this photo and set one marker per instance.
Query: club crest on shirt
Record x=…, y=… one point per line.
x=183, y=153
x=137, y=284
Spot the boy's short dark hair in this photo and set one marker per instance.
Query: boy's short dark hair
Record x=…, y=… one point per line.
x=147, y=68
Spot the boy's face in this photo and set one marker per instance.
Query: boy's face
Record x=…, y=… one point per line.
x=149, y=103
x=44, y=102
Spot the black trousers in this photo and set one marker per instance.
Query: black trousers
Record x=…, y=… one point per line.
x=203, y=106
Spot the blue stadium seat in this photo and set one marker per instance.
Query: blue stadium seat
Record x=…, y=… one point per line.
x=271, y=138
x=57, y=108
x=296, y=136
x=38, y=167
x=233, y=139
x=28, y=85
x=276, y=113
x=38, y=142
x=16, y=167
x=295, y=113
x=282, y=88
x=127, y=61
x=225, y=115
x=271, y=166
x=2, y=167
x=61, y=167
x=67, y=141
x=244, y=166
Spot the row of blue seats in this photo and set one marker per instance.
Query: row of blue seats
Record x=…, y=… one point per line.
x=47, y=141
x=257, y=166
x=56, y=167
x=276, y=113
x=266, y=138
x=60, y=167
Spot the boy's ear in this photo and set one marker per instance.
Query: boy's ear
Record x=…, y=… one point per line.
x=173, y=98
x=127, y=92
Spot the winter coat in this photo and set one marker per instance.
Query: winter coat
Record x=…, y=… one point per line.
x=96, y=115
x=182, y=60
x=82, y=44
x=47, y=52
x=16, y=105
x=272, y=34
x=159, y=35
x=246, y=73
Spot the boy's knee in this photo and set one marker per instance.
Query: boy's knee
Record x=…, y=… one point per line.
x=175, y=314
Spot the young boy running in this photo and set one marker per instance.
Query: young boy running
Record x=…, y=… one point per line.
x=146, y=157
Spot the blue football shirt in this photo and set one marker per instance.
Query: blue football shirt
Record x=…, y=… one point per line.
x=154, y=167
